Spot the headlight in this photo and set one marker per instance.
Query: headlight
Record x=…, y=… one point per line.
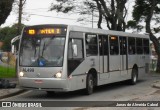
x=21, y=74
x=58, y=75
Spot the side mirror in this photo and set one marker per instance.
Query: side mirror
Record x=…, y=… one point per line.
x=75, y=50
x=13, y=49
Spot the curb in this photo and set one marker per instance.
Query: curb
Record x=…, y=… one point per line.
x=13, y=94
x=156, y=85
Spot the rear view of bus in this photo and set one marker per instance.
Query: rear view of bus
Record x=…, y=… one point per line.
x=41, y=58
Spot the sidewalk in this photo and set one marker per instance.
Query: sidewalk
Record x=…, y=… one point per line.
x=8, y=92
x=156, y=84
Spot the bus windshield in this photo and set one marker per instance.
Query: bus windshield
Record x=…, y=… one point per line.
x=42, y=51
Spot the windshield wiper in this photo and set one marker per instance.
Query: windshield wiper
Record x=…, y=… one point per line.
x=44, y=47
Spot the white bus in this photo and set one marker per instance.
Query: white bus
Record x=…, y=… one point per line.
x=67, y=58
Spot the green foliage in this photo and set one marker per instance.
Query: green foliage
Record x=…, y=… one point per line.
x=6, y=35
x=134, y=25
x=156, y=30
x=5, y=9
x=148, y=11
x=131, y=24
x=142, y=9
x=7, y=72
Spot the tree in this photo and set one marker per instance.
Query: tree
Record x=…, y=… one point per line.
x=149, y=12
x=112, y=11
x=6, y=35
x=5, y=9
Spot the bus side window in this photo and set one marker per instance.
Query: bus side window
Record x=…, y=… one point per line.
x=91, y=44
x=130, y=50
x=131, y=46
x=123, y=45
x=146, y=46
x=103, y=44
x=139, y=46
x=75, y=49
x=114, y=47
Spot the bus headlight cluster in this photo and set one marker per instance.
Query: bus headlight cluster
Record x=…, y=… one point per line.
x=21, y=74
x=58, y=75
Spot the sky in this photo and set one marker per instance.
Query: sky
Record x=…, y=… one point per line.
x=37, y=12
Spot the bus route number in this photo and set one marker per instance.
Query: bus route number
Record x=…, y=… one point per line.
x=28, y=69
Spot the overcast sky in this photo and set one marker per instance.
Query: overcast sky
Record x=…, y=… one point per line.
x=37, y=12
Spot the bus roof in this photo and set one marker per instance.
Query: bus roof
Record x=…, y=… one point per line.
x=49, y=25
x=94, y=30
x=102, y=31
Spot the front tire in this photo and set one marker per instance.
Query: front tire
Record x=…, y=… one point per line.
x=134, y=77
x=89, y=84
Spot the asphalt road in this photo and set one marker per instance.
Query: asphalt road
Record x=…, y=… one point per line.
x=111, y=92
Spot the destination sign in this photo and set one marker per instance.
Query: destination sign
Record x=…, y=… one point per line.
x=45, y=31
x=50, y=31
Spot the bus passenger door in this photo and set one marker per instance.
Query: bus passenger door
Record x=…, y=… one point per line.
x=114, y=58
x=123, y=55
x=103, y=57
x=140, y=55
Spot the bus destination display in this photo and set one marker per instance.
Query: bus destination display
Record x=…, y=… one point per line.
x=46, y=31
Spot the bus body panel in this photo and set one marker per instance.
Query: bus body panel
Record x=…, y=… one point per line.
x=114, y=63
x=103, y=68
x=47, y=84
x=79, y=75
x=77, y=82
x=123, y=69
x=43, y=72
x=132, y=60
x=114, y=76
x=141, y=61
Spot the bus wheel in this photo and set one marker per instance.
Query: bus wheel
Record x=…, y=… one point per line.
x=134, y=77
x=89, y=84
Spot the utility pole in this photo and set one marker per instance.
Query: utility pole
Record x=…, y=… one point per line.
x=20, y=5
x=92, y=17
x=19, y=16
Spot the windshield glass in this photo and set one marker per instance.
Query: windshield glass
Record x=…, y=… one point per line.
x=42, y=51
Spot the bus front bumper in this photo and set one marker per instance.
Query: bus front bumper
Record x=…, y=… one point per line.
x=46, y=84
